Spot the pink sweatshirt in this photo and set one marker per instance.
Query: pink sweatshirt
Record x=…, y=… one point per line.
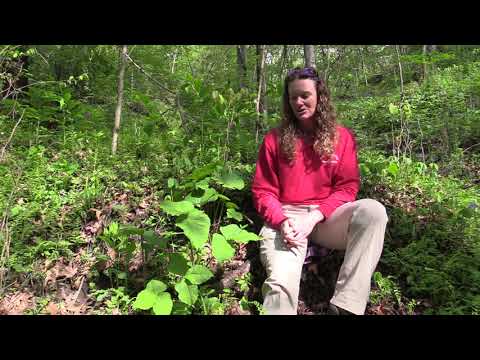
x=311, y=180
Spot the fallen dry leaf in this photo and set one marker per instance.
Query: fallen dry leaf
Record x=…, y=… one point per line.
x=136, y=262
x=52, y=308
x=16, y=303
x=59, y=270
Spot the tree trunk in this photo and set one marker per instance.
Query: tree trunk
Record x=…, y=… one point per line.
x=284, y=60
x=427, y=49
x=118, y=110
x=363, y=67
x=309, y=52
x=261, y=89
x=242, y=65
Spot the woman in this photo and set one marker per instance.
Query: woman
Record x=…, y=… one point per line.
x=305, y=186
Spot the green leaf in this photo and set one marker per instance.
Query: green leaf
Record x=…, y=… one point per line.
x=246, y=236
x=145, y=300
x=393, y=109
x=163, y=305
x=122, y=275
x=204, y=171
x=229, y=231
x=234, y=214
x=393, y=168
x=178, y=264
x=198, y=274
x=128, y=230
x=153, y=239
x=171, y=183
x=176, y=208
x=180, y=308
x=196, y=227
x=208, y=195
x=221, y=248
x=203, y=184
x=223, y=197
x=231, y=181
x=231, y=205
x=222, y=99
x=15, y=210
x=234, y=232
x=188, y=294
x=156, y=287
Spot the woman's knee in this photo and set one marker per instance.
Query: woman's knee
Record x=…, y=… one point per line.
x=371, y=211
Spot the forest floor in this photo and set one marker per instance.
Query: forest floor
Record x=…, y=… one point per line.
x=63, y=286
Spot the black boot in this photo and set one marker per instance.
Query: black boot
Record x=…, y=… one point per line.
x=335, y=310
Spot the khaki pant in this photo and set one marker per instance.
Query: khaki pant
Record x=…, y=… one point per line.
x=357, y=227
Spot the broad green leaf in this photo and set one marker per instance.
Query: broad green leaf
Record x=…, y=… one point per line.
x=163, y=305
x=393, y=168
x=231, y=181
x=198, y=274
x=234, y=232
x=145, y=300
x=180, y=308
x=196, y=226
x=176, y=208
x=204, y=171
x=156, y=287
x=208, y=195
x=221, y=248
x=153, y=239
x=229, y=231
x=234, y=214
x=178, y=264
x=203, y=184
x=187, y=293
x=215, y=307
x=245, y=236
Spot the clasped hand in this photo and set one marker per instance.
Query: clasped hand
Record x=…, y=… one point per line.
x=296, y=230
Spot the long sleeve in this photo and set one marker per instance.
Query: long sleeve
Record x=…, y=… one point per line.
x=266, y=186
x=346, y=181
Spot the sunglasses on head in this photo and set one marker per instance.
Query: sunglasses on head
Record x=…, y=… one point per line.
x=305, y=72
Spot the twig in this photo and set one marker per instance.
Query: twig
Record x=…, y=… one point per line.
x=470, y=147
x=2, y=154
x=149, y=76
x=79, y=289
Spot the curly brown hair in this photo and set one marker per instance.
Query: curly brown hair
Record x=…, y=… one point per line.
x=324, y=131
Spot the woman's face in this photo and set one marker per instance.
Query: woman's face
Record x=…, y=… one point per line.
x=303, y=101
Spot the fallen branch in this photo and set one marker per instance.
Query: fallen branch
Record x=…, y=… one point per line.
x=470, y=147
x=228, y=280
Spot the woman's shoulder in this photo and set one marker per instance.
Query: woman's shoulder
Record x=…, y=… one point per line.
x=272, y=135
x=345, y=132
